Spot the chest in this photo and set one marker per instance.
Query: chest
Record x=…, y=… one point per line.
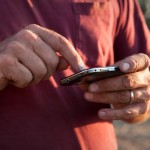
x=87, y=24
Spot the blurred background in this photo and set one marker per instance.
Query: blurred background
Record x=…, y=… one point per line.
x=145, y=6
x=135, y=136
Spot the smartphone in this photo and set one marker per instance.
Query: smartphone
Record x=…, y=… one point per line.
x=91, y=75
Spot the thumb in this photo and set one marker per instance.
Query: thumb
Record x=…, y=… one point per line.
x=134, y=63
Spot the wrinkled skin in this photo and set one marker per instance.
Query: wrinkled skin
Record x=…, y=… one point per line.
x=34, y=54
x=116, y=91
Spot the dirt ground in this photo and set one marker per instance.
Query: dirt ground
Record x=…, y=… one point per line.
x=133, y=137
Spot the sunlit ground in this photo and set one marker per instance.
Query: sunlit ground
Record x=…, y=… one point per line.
x=133, y=137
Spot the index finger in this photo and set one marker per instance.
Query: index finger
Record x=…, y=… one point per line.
x=59, y=44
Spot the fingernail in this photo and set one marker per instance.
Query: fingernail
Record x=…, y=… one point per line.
x=101, y=114
x=125, y=66
x=81, y=67
x=93, y=88
x=88, y=96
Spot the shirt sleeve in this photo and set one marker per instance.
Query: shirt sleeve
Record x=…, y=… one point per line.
x=132, y=34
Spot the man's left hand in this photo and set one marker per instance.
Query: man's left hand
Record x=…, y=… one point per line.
x=129, y=94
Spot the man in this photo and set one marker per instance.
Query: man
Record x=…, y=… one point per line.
x=35, y=111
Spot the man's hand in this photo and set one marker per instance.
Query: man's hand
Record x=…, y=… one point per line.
x=129, y=94
x=32, y=55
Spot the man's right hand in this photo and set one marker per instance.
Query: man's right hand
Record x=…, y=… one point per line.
x=31, y=55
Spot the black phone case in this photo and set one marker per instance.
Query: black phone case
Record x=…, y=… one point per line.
x=91, y=75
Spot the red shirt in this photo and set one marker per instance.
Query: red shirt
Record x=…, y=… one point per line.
x=47, y=116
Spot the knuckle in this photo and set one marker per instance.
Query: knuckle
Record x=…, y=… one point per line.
x=8, y=60
x=145, y=59
x=26, y=35
x=32, y=26
x=22, y=33
x=63, y=42
x=129, y=81
x=139, y=96
x=13, y=48
x=143, y=63
x=135, y=64
x=145, y=95
x=13, y=45
x=129, y=114
x=142, y=95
